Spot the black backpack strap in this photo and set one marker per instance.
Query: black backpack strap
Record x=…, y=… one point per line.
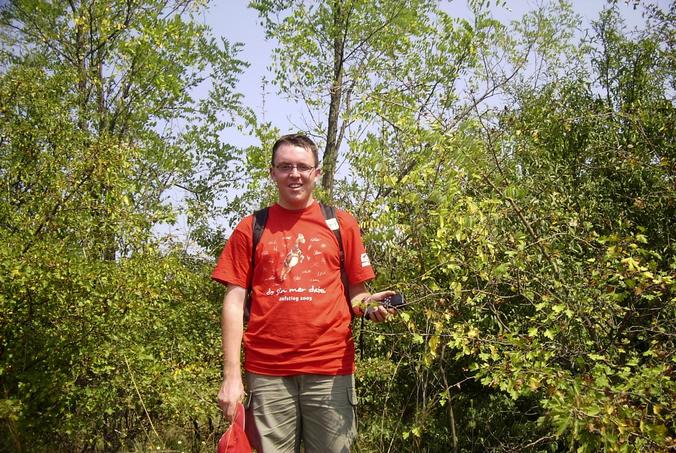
x=329, y=213
x=260, y=218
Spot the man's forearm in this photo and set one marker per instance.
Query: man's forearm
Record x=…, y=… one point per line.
x=232, y=327
x=232, y=330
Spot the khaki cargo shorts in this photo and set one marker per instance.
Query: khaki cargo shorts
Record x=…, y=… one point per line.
x=282, y=411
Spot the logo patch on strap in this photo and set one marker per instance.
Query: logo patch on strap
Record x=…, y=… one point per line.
x=365, y=261
x=333, y=224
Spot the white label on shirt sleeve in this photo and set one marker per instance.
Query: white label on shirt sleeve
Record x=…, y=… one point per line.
x=365, y=261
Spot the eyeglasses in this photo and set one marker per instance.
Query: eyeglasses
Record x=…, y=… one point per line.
x=288, y=168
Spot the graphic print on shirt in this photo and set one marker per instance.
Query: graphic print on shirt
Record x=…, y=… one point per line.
x=294, y=257
x=301, y=274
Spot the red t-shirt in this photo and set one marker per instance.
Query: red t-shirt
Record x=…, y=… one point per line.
x=299, y=321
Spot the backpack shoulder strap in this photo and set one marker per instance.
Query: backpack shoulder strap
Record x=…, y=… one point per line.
x=329, y=213
x=260, y=218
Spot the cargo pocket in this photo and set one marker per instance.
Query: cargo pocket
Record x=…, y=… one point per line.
x=250, y=422
x=248, y=412
x=247, y=400
x=352, y=396
x=352, y=399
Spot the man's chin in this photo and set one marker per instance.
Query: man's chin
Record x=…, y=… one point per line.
x=297, y=194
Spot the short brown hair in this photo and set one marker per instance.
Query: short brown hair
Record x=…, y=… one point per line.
x=301, y=140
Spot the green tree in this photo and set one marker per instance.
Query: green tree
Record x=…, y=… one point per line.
x=425, y=164
x=535, y=242
x=330, y=54
x=106, y=334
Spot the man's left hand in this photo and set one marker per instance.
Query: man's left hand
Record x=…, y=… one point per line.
x=378, y=313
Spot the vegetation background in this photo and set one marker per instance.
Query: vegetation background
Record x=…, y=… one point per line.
x=515, y=180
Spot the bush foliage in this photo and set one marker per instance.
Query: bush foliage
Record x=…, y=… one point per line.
x=516, y=182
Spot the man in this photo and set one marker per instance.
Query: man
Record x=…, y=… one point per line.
x=299, y=352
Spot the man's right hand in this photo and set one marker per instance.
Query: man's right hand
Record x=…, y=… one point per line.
x=229, y=395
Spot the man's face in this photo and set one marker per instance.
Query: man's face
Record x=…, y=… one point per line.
x=294, y=173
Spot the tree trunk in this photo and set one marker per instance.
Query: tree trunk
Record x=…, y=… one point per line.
x=330, y=157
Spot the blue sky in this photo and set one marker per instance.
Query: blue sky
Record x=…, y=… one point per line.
x=233, y=20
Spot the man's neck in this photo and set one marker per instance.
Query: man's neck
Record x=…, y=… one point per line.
x=295, y=207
